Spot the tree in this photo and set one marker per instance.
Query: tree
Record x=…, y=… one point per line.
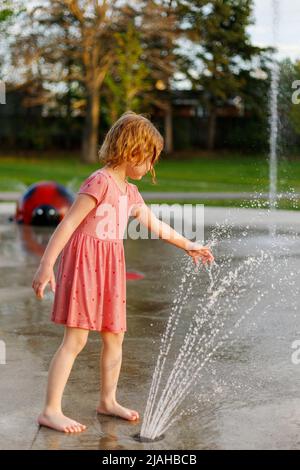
x=145, y=61
x=5, y=11
x=127, y=77
x=224, y=55
x=160, y=27
x=78, y=43
x=69, y=42
x=92, y=48
x=6, y=14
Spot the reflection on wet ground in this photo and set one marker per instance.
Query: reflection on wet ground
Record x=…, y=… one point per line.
x=247, y=398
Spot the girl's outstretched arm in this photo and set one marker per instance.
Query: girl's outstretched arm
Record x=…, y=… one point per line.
x=145, y=216
x=82, y=205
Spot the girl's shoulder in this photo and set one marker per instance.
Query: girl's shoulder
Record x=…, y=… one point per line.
x=97, y=177
x=95, y=184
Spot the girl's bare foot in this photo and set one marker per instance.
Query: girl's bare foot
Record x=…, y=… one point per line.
x=59, y=422
x=114, y=409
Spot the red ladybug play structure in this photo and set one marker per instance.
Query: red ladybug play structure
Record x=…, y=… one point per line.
x=43, y=203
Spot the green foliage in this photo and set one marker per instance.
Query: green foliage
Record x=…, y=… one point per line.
x=128, y=76
x=10, y=9
x=295, y=118
x=5, y=14
x=182, y=134
x=249, y=134
x=224, y=57
x=225, y=50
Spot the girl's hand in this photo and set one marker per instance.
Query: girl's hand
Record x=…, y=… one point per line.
x=197, y=251
x=41, y=279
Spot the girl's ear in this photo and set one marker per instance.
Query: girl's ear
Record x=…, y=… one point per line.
x=136, y=152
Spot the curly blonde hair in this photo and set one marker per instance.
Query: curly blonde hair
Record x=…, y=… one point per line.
x=134, y=139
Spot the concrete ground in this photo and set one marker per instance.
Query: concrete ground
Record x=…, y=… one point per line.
x=170, y=195
x=31, y=340
x=242, y=217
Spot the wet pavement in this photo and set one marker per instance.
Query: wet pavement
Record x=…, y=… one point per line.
x=170, y=195
x=253, y=402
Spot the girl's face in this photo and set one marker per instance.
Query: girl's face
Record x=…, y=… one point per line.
x=137, y=172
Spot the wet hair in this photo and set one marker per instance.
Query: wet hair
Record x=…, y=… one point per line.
x=134, y=139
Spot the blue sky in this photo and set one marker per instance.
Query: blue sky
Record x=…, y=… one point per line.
x=288, y=33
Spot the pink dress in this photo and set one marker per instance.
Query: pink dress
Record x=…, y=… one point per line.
x=91, y=277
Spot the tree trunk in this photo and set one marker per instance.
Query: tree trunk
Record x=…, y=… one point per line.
x=91, y=126
x=211, y=134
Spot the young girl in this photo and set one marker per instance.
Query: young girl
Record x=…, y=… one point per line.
x=90, y=293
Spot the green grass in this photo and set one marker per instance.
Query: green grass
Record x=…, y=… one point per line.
x=222, y=172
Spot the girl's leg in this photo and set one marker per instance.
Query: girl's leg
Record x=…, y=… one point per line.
x=52, y=416
x=110, y=365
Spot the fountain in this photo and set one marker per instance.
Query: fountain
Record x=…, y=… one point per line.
x=224, y=287
x=232, y=291
x=274, y=113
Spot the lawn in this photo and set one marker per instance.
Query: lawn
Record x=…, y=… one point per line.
x=226, y=173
